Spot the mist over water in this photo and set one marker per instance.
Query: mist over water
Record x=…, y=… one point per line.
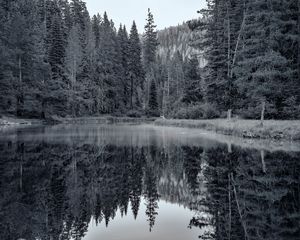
x=143, y=182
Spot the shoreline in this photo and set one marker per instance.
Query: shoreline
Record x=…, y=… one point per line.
x=13, y=121
x=106, y=119
x=164, y=134
x=246, y=129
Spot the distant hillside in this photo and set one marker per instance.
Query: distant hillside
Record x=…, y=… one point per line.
x=177, y=38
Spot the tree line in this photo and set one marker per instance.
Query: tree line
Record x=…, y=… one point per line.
x=245, y=62
x=57, y=60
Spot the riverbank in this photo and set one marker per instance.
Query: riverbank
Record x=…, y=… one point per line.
x=272, y=129
x=247, y=129
x=105, y=119
x=11, y=121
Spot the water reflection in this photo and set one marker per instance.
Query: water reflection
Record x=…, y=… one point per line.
x=69, y=182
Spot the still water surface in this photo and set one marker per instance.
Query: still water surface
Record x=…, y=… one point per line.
x=117, y=182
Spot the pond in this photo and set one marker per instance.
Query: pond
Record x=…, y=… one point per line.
x=133, y=182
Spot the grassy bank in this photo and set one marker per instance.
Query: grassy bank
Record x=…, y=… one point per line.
x=12, y=121
x=272, y=129
x=105, y=119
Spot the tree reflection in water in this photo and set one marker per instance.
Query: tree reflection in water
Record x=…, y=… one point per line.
x=52, y=189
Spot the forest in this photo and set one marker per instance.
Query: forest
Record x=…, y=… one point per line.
x=239, y=58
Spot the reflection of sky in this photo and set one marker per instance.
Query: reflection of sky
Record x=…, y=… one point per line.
x=171, y=224
x=166, y=12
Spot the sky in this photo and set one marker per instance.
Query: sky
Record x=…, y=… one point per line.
x=166, y=12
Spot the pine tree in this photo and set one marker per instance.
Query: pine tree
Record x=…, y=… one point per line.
x=261, y=66
x=153, y=108
x=176, y=76
x=220, y=37
x=96, y=20
x=65, y=10
x=7, y=85
x=287, y=40
x=25, y=38
x=108, y=66
x=150, y=41
x=87, y=75
x=136, y=72
x=57, y=51
x=192, y=87
x=123, y=44
x=73, y=63
x=56, y=99
x=150, y=44
x=78, y=14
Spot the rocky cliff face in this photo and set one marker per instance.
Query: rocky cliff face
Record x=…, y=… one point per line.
x=175, y=39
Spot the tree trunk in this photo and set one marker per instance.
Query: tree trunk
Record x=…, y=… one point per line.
x=238, y=207
x=20, y=71
x=229, y=114
x=21, y=176
x=73, y=86
x=262, y=116
x=262, y=155
x=19, y=100
x=298, y=39
x=131, y=92
x=168, y=84
x=229, y=147
x=238, y=41
x=229, y=207
x=229, y=61
x=164, y=100
x=228, y=44
x=21, y=166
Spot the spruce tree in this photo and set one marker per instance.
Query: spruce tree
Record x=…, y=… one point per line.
x=96, y=20
x=192, y=87
x=78, y=11
x=73, y=65
x=108, y=66
x=261, y=66
x=123, y=44
x=220, y=37
x=150, y=44
x=7, y=86
x=57, y=51
x=153, y=108
x=150, y=41
x=136, y=72
x=57, y=87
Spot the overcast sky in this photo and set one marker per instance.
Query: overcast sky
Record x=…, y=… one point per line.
x=166, y=12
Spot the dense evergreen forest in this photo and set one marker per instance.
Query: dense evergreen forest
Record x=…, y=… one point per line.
x=56, y=59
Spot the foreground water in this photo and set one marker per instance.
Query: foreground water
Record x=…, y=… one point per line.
x=142, y=182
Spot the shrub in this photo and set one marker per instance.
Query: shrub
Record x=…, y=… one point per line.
x=117, y=114
x=181, y=113
x=201, y=111
x=253, y=111
x=210, y=111
x=153, y=113
x=291, y=109
x=134, y=114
